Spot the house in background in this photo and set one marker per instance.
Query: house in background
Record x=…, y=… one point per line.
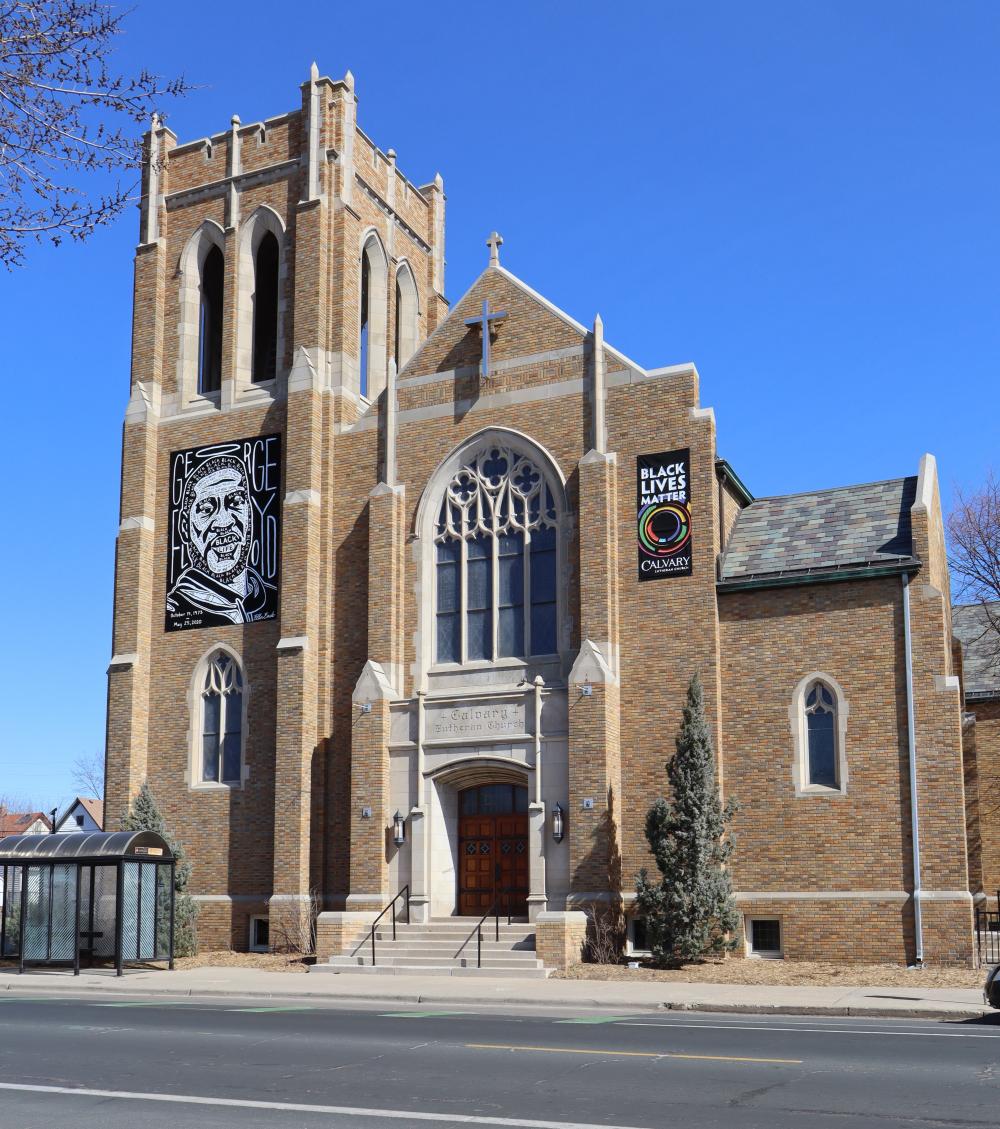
x=24, y=823
x=21, y=823
x=83, y=814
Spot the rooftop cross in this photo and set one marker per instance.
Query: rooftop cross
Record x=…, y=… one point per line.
x=495, y=242
x=484, y=321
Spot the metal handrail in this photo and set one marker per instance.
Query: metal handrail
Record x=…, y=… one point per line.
x=477, y=930
x=404, y=893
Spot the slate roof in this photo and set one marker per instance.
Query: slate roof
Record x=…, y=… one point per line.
x=826, y=530
x=980, y=648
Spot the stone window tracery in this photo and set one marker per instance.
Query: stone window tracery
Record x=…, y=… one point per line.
x=222, y=721
x=495, y=551
x=818, y=713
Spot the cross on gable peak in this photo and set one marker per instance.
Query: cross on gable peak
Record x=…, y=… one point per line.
x=495, y=242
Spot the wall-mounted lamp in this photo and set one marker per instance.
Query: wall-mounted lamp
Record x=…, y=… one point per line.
x=366, y=707
x=398, y=828
x=557, y=823
x=586, y=689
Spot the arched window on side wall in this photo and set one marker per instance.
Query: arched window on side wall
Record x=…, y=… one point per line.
x=210, y=322
x=265, y=310
x=818, y=713
x=407, y=316
x=221, y=725
x=496, y=561
x=821, y=735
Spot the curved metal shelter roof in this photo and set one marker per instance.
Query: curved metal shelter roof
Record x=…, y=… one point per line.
x=79, y=846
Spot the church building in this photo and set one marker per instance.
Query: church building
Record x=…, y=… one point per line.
x=409, y=594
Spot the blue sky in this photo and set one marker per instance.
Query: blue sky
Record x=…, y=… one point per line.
x=802, y=198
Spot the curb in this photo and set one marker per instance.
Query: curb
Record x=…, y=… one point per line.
x=929, y=1012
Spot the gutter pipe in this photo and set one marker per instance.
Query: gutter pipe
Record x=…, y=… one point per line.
x=914, y=806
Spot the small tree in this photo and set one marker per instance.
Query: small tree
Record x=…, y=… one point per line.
x=145, y=815
x=690, y=912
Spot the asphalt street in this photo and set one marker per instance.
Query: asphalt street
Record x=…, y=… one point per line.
x=148, y=1064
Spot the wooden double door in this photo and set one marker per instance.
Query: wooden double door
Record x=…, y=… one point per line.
x=493, y=849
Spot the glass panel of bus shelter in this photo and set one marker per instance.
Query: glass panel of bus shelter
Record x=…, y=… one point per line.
x=129, y=910
x=11, y=941
x=36, y=926
x=105, y=895
x=147, y=910
x=63, y=912
x=163, y=891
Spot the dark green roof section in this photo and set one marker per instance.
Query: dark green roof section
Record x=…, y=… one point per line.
x=860, y=530
x=977, y=628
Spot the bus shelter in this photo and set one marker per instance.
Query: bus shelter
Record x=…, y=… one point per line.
x=87, y=896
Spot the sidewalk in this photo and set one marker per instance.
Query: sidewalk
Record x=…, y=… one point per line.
x=246, y=983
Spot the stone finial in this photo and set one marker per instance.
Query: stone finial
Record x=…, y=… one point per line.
x=495, y=242
x=439, y=182
x=234, y=121
x=313, y=72
x=349, y=80
x=154, y=122
x=600, y=389
x=391, y=154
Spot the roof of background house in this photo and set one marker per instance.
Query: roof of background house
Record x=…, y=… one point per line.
x=93, y=808
x=18, y=822
x=851, y=527
x=980, y=648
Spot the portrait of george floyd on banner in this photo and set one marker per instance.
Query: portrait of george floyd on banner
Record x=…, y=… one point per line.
x=663, y=514
x=224, y=534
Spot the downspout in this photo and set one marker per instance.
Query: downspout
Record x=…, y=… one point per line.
x=914, y=806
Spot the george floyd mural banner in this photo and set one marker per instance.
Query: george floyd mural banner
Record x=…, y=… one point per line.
x=663, y=514
x=224, y=533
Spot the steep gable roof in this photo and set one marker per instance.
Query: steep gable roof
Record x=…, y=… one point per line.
x=533, y=325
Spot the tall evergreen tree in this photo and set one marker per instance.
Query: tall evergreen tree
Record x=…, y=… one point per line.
x=145, y=815
x=690, y=912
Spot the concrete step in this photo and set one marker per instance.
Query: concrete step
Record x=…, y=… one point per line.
x=429, y=970
x=445, y=950
x=397, y=959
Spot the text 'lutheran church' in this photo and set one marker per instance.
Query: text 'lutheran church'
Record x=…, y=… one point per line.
x=409, y=595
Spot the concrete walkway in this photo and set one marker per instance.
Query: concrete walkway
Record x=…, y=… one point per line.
x=248, y=983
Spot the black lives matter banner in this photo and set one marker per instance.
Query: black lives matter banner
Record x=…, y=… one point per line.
x=224, y=533
x=663, y=514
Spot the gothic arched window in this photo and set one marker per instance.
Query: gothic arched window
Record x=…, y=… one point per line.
x=210, y=322
x=265, y=310
x=495, y=552
x=222, y=721
x=821, y=734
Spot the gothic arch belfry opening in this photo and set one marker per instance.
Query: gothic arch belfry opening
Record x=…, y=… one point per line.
x=372, y=316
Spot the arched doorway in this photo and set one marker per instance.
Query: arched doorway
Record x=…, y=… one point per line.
x=493, y=849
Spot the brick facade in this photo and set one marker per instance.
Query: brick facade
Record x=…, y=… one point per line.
x=349, y=719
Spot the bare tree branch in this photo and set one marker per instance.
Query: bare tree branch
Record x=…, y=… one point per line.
x=66, y=116
x=88, y=776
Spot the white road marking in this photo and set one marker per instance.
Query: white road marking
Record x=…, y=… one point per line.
x=818, y=1030
x=298, y=1107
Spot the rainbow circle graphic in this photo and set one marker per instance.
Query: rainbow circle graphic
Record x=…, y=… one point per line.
x=664, y=529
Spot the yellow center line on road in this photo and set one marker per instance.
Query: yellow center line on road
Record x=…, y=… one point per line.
x=630, y=1054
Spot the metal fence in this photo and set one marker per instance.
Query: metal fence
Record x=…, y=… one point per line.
x=988, y=933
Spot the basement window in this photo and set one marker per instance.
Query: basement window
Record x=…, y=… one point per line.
x=638, y=940
x=764, y=938
x=260, y=938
